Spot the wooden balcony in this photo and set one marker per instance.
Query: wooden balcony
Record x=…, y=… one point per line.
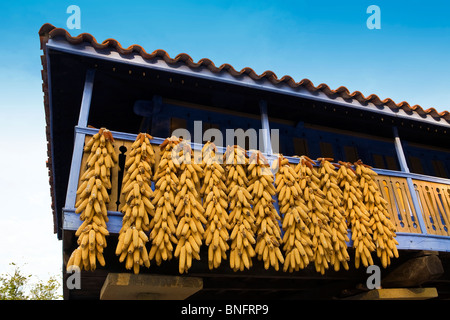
x=419, y=205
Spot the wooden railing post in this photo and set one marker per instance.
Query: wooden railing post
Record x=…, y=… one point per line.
x=404, y=167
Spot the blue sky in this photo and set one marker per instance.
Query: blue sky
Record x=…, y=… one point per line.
x=324, y=41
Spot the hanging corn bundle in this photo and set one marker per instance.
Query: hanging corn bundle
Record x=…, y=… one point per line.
x=188, y=208
x=137, y=209
x=164, y=223
x=382, y=228
x=357, y=215
x=335, y=214
x=215, y=203
x=297, y=244
x=93, y=197
x=268, y=228
x=316, y=202
x=241, y=216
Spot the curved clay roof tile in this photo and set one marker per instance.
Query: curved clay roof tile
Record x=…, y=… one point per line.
x=289, y=81
x=230, y=69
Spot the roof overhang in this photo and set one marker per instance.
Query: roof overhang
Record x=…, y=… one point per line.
x=245, y=79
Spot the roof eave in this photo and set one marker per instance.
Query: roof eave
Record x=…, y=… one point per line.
x=263, y=83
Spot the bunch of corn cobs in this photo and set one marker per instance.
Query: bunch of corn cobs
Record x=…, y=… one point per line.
x=237, y=206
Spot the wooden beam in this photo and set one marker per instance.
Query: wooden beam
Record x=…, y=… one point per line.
x=77, y=154
x=404, y=168
x=397, y=294
x=415, y=271
x=399, y=149
x=127, y=286
x=267, y=144
x=86, y=98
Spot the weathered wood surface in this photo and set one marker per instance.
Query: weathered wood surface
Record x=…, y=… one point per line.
x=397, y=294
x=127, y=286
x=426, y=267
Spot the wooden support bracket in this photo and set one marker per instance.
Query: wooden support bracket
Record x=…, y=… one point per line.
x=127, y=286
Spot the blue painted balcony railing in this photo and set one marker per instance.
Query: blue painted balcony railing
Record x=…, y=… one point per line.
x=419, y=205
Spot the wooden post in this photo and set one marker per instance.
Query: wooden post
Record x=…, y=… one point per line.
x=77, y=154
x=86, y=99
x=399, y=151
x=267, y=144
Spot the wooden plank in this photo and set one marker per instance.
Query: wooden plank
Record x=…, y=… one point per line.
x=385, y=187
x=116, y=174
x=378, y=161
x=391, y=163
x=407, y=241
x=416, y=225
x=426, y=212
x=415, y=203
x=407, y=207
x=397, y=186
x=445, y=194
x=420, y=241
x=415, y=176
x=300, y=146
x=443, y=221
x=433, y=207
x=416, y=165
x=436, y=216
x=326, y=149
x=393, y=197
x=72, y=221
x=127, y=286
x=351, y=154
x=397, y=294
x=429, y=195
